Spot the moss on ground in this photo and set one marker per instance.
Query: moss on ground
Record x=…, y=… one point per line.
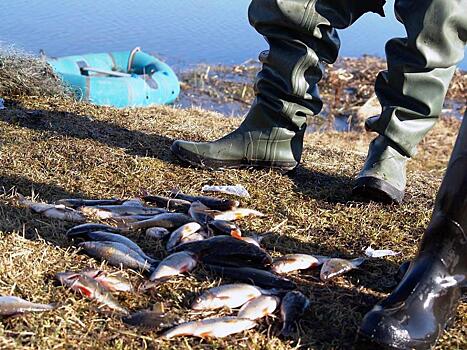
x=57, y=148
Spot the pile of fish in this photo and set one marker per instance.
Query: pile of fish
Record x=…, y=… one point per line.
x=196, y=230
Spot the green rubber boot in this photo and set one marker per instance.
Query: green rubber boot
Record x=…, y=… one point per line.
x=411, y=91
x=301, y=35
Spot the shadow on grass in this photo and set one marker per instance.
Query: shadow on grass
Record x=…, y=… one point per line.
x=84, y=127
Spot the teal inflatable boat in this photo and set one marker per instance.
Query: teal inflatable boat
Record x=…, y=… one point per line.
x=120, y=79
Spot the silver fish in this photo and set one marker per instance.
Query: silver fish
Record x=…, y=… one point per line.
x=169, y=221
x=90, y=288
x=259, y=307
x=294, y=262
x=89, y=227
x=157, y=233
x=11, y=306
x=173, y=265
x=237, y=214
x=112, y=211
x=335, y=267
x=101, y=236
x=201, y=213
x=181, y=232
x=211, y=328
x=110, y=281
x=53, y=211
x=117, y=254
x=76, y=203
x=293, y=306
x=228, y=295
x=194, y=237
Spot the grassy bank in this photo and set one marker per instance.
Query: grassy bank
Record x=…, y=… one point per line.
x=54, y=148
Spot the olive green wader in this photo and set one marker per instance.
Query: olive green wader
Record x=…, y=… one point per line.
x=301, y=36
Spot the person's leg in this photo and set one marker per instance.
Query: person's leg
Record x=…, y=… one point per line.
x=412, y=90
x=301, y=36
x=417, y=312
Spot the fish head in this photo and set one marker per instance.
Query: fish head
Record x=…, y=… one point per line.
x=67, y=278
x=205, y=301
x=335, y=267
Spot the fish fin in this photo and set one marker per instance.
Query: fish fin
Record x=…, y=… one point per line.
x=206, y=335
x=358, y=261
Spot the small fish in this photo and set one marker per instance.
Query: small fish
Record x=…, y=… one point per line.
x=12, y=306
x=237, y=214
x=76, y=203
x=53, y=211
x=112, y=211
x=110, y=281
x=121, y=221
x=179, y=205
x=335, y=267
x=223, y=227
x=195, y=237
x=169, y=221
x=293, y=306
x=210, y=202
x=201, y=213
x=259, y=307
x=379, y=253
x=294, y=262
x=117, y=254
x=227, y=251
x=181, y=232
x=102, y=236
x=260, y=278
x=227, y=295
x=211, y=328
x=83, y=229
x=90, y=288
x=174, y=265
x=151, y=320
x=233, y=190
x=157, y=233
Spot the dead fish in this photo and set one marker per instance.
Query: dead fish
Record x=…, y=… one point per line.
x=181, y=232
x=179, y=205
x=249, y=240
x=169, y=221
x=117, y=254
x=335, y=267
x=210, y=202
x=110, y=281
x=122, y=221
x=76, y=203
x=53, y=211
x=82, y=229
x=173, y=265
x=112, y=211
x=90, y=288
x=157, y=233
x=102, y=236
x=227, y=295
x=151, y=320
x=223, y=227
x=294, y=262
x=194, y=237
x=201, y=213
x=260, y=278
x=293, y=306
x=237, y=214
x=211, y=328
x=228, y=251
x=259, y=307
x=12, y=306
x=134, y=202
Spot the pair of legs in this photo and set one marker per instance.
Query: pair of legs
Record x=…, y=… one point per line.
x=302, y=35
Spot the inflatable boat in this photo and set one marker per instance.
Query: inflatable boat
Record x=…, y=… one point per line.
x=120, y=79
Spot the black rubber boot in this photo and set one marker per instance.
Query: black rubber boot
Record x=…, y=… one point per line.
x=423, y=304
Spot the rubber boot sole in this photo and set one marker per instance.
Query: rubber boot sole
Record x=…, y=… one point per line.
x=377, y=190
x=216, y=164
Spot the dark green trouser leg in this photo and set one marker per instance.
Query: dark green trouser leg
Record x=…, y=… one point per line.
x=412, y=90
x=421, y=306
x=301, y=35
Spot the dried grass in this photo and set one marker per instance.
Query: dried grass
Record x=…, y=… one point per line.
x=55, y=148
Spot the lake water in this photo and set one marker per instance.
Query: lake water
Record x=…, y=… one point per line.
x=184, y=32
